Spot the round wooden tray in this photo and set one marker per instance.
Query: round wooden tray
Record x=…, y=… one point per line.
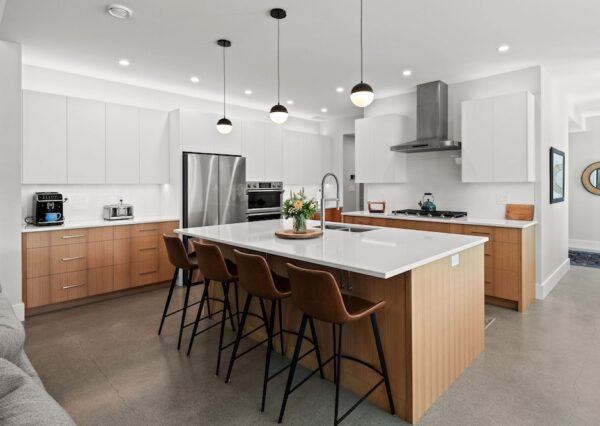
x=291, y=235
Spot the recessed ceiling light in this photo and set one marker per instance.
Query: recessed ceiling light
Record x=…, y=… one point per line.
x=194, y=79
x=290, y=101
x=503, y=48
x=323, y=109
x=407, y=73
x=247, y=92
x=339, y=89
x=124, y=62
x=119, y=11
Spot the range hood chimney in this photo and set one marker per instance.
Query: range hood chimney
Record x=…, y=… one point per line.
x=432, y=121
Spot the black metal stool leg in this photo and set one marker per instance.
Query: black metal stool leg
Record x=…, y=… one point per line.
x=281, y=328
x=225, y=287
x=168, y=302
x=203, y=300
x=386, y=379
x=238, y=337
x=270, y=328
x=338, y=376
x=237, y=302
x=185, y=304
x=316, y=345
x=334, y=346
x=293, y=365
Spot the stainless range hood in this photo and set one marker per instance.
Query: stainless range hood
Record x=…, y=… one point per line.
x=432, y=121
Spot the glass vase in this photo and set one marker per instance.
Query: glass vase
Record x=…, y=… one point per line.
x=299, y=225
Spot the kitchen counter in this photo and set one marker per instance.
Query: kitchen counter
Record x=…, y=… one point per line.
x=95, y=223
x=380, y=252
x=500, y=223
x=432, y=325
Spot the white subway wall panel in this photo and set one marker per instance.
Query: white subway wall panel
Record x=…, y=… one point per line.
x=44, y=138
x=154, y=146
x=86, y=141
x=122, y=144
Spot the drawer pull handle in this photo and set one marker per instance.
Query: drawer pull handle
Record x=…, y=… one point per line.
x=147, y=248
x=147, y=230
x=66, y=259
x=66, y=287
x=148, y=272
x=66, y=237
x=488, y=254
x=481, y=233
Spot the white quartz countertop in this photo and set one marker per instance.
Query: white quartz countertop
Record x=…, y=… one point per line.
x=381, y=253
x=95, y=223
x=502, y=223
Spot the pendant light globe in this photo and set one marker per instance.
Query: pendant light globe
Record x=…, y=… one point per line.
x=362, y=95
x=278, y=114
x=224, y=126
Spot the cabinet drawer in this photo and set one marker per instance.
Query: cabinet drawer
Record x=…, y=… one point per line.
x=100, y=254
x=38, y=292
x=103, y=233
x=507, y=284
x=147, y=255
x=122, y=232
x=507, y=256
x=144, y=229
x=69, y=286
x=100, y=280
x=37, y=239
x=56, y=260
x=144, y=243
x=480, y=231
x=143, y=273
x=71, y=236
x=507, y=235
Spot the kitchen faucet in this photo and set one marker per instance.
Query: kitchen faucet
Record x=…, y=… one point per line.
x=324, y=200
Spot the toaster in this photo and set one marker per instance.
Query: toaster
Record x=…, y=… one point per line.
x=118, y=211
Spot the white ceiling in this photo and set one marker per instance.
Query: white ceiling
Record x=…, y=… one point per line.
x=169, y=41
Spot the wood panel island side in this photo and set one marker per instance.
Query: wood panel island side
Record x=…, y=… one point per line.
x=433, y=323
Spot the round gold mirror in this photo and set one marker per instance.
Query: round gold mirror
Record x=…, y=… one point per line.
x=591, y=178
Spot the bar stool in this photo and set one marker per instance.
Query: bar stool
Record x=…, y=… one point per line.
x=258, y=281
x=317, y=295
x=214, y=267
x=188, y=263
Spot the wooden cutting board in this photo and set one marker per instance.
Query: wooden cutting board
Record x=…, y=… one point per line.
x=291, y=235
x=519, y=211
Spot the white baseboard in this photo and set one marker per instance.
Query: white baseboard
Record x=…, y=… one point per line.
x=585, y=245
x=19, y=309
x=542, y=290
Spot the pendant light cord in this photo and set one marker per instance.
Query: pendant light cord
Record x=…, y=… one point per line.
x=278, y=77
x=223, y=81
x=361, y=41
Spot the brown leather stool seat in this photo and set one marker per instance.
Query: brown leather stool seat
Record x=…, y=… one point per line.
x=317, y=295
x=214, y=267
x=188, y=263
x=260, y=282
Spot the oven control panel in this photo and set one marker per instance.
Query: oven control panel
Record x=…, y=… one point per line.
x=265, y=185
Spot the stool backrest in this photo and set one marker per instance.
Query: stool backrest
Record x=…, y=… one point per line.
x=176, y=251
x=211, y=262
x=316, y=293
x=255, y=275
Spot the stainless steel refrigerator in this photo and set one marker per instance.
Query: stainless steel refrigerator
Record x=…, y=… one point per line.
x=214, y=189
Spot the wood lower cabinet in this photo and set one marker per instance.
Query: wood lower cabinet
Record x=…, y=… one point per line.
x=65, y=265
x=509, y=256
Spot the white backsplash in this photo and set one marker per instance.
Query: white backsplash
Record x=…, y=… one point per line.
x=85, y=202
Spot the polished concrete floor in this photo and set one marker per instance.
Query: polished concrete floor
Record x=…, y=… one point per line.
x=105, y=364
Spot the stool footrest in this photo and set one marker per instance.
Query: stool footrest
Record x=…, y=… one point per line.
x=357, y=403
x=181, y=309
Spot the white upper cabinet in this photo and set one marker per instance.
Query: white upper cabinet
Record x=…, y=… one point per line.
x=199, y=134
x=86, y=141
x=44, y=138
x=374, y=162
x=293, y=157
x=253, y=148
x=306, y=157
x=154, y=146
x=122, y=144
x=498, y=139
x=273, y=152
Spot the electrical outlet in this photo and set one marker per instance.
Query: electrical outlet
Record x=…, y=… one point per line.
x=455, y=260
x=501, y=199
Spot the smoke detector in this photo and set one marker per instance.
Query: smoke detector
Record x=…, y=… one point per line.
x=119, y=11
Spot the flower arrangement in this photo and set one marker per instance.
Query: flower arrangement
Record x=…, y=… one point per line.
x=299, y=208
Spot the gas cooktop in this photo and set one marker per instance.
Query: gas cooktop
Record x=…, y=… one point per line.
x=439, y=213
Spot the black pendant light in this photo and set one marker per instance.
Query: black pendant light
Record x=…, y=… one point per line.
x=362, y=94
x=279, y=113
x=224, y=125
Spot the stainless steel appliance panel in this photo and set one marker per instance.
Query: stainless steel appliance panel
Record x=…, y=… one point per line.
x=232, y=189
x=201, y=190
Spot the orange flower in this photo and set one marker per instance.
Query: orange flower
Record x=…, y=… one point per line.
x=298, y=204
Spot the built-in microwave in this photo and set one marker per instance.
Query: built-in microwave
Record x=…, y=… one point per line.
x=264, y=200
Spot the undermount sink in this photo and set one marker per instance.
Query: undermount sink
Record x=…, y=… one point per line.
x=346, y=228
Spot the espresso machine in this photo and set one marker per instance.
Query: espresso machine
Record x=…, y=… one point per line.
x=48, y=209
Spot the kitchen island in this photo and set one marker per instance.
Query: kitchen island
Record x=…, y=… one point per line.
x=433, y=324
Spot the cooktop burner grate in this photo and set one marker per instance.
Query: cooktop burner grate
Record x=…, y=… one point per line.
x=439, y=213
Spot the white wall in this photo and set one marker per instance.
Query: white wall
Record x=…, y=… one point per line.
x=584, y=207
x=437, y=172
x=10, y=173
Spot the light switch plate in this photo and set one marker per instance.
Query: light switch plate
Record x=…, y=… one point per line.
x=455, y=260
